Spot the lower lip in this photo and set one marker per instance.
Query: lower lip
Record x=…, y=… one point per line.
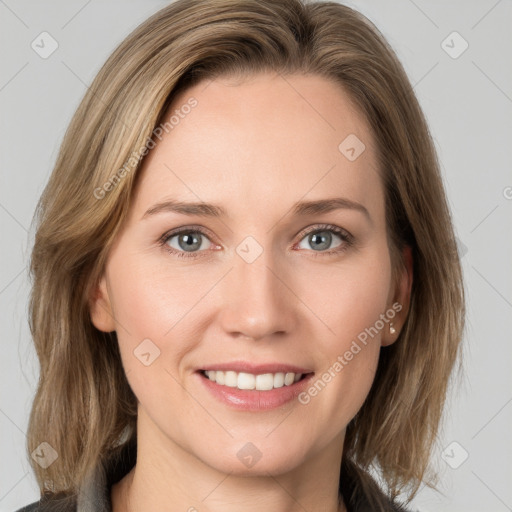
x=253, y=400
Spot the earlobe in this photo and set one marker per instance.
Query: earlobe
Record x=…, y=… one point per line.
x=100, y=307
x=401, y=299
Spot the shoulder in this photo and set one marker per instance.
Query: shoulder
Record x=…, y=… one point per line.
x=32, y=507
x=361, y=492
x=94, y=492
x=55, y=505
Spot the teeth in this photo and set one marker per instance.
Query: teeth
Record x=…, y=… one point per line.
x=263, y=382
x=279, y=380
x=230, y=379
x=220, y=377
x=246, y=381
x=288, y=379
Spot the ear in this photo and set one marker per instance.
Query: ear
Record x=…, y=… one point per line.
x=400, y=300
x=100, y=307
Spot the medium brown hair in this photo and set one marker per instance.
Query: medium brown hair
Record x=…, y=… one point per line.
x=83, y=403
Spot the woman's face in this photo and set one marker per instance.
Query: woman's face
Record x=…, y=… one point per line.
x=271, y=280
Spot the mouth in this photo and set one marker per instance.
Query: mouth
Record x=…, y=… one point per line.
x=250, y=381
x=257, y=389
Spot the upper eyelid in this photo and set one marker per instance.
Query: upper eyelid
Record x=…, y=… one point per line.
x=324, y=227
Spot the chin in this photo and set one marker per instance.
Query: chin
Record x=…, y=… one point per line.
x=255, y=458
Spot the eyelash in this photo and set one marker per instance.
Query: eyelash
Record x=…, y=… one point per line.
x=346, y=237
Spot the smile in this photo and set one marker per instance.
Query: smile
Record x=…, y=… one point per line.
x=249, y=381
x=259, y=388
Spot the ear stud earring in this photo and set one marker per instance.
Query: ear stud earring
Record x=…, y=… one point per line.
x=392, y=330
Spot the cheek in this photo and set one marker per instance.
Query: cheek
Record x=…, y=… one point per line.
x=150, y=300
x=150, y=307
x=350, y=299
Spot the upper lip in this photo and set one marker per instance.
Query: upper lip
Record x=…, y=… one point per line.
x=257, y=369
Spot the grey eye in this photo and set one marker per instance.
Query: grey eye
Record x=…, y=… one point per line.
x=321, y=240
x=188, y=241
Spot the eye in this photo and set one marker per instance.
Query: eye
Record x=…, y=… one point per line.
x=321, y=238
x=185, y=242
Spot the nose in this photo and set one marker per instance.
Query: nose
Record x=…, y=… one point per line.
x=257, y=299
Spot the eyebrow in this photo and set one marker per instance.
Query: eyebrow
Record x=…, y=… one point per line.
x=302, y=208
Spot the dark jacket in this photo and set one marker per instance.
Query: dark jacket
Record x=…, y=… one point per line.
x=94, y=495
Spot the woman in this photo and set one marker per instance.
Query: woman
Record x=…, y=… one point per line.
x=246, y=293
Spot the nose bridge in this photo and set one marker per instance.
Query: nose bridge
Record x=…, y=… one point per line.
x=257, y=302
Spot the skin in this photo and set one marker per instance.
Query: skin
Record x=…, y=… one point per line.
x=255, y=147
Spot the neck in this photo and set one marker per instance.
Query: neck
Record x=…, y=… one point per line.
x=167, y=476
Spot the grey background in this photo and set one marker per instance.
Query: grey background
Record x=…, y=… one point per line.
x=468, y=103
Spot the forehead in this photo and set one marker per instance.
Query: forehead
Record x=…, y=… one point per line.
x=266, y=139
